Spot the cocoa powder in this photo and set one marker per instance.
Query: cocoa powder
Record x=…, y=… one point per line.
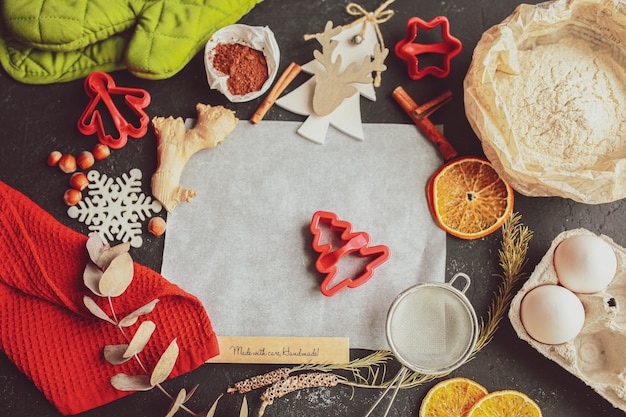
x=245, y=67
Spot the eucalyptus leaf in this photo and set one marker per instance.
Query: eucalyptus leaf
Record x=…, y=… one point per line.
x=190, y=394
x=114, y=354
x=180, y=399
x=96, y=310
x=211, y=412
x=244, y=408
x=95, y=246
x=91, y=278
x=132, y=317
x=117, y=277
x=166, y=363
x=107, y=256
x=123, y=382
x=140, y=339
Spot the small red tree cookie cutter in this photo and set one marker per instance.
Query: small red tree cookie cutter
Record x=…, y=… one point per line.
x=350, y=242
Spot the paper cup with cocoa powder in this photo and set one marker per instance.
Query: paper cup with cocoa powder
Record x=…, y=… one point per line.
x=241, y=61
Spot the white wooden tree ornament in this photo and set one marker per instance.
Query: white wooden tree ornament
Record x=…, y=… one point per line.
x=342, y=72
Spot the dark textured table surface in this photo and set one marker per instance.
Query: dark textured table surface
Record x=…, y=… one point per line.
x=39, y=119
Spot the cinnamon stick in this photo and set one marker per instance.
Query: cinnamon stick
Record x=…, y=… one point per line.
x=284, y=80
x=424, y=124
x=433, y=105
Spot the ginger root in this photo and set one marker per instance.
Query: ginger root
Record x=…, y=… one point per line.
x=176, y=144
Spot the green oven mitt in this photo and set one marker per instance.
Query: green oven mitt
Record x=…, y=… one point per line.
x=46, y=41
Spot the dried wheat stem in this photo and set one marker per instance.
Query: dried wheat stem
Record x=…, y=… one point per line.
x=294, y=383
x=259, y=381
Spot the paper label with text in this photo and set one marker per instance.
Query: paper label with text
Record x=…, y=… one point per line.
x=282, y=350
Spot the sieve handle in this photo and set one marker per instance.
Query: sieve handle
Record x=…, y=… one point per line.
x=397, y=379
x=464, y=276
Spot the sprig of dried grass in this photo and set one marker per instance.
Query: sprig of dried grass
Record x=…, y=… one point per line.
x=367, y=371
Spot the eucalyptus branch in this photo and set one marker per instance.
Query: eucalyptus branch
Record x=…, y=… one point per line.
x=108, y=276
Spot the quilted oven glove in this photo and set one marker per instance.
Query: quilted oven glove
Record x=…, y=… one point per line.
x=46, y=41
x=47, y=332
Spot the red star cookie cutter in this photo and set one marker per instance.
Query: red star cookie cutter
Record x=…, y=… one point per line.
x=408, y=50
x=100, y=86
x=349, y=242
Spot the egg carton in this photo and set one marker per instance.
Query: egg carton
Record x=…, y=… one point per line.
x=595, y=355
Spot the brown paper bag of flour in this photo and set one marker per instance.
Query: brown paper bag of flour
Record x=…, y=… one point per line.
x=544, y=94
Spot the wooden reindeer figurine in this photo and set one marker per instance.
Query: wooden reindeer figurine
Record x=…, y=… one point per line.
x=342, y=72
x=334, y=85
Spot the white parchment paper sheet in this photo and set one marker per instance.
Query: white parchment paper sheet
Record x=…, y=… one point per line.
x=243, y=245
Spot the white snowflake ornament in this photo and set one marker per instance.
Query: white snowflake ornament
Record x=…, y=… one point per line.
x=115, y=207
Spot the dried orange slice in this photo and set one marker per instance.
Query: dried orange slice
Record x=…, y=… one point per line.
x=504, y=404
x=452, y=397
x=468, y=199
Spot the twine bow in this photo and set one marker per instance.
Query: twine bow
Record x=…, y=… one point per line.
x=378, y=16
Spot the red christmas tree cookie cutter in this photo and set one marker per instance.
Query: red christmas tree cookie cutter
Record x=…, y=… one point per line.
x=100, y=87
x=351, y=242
x=408, y=50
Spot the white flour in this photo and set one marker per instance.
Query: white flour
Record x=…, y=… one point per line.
x=566, y=105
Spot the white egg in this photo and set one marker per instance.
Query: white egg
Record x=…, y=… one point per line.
x=552, y=314
x=585, y=263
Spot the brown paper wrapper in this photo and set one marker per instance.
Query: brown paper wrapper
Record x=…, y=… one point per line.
x=602, y=24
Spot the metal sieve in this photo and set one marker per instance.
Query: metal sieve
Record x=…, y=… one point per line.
x=431, y=329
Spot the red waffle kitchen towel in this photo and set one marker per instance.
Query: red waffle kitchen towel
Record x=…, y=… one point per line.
x=49, y=334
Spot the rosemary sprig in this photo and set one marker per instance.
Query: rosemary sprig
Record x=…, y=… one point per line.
x=512, y=255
